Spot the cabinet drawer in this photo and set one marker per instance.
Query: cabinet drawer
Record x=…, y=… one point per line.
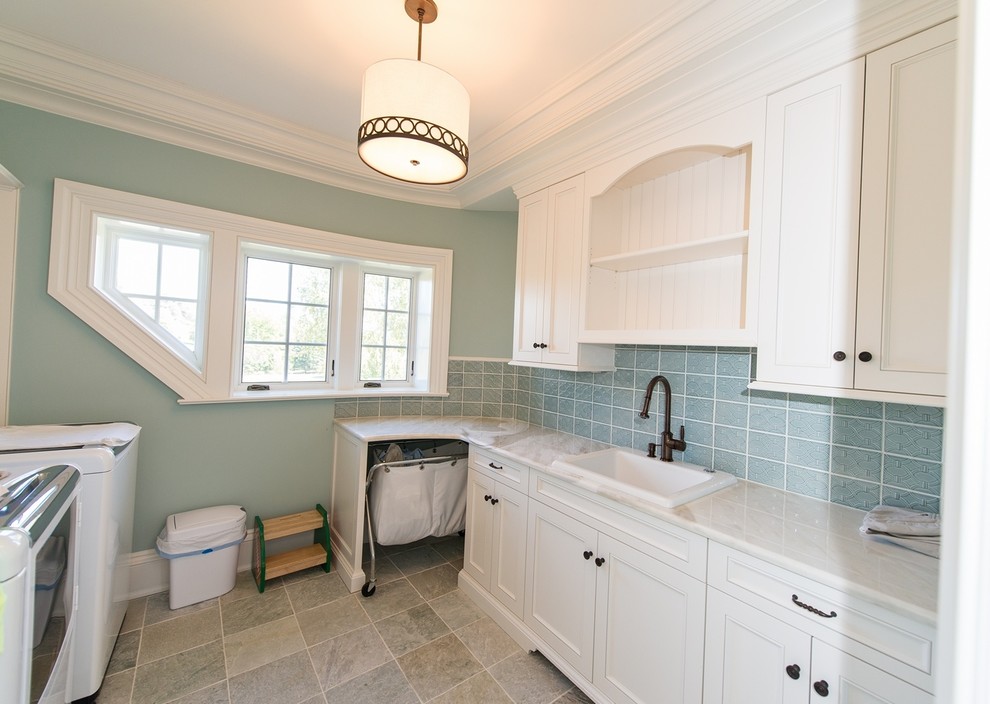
x=497, y=467
x=668, y=543
x=896, y=643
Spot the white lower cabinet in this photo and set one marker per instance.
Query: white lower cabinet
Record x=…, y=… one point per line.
x=561, y=584
x=638, y=610
x=630, y=624
x=495, y=539
x=754, y=658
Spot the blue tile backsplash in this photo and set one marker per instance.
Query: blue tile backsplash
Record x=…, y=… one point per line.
x=856, y=453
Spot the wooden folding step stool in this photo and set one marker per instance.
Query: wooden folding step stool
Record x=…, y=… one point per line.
x=317, y=554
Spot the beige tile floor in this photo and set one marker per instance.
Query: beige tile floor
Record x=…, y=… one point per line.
x=306, y=640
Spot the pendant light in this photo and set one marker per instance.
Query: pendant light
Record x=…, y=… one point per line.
x=414, y=117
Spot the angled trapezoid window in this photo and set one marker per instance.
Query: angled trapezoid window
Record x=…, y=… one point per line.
x=157, y=276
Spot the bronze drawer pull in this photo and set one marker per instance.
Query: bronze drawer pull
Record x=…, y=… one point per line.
x=812, y=609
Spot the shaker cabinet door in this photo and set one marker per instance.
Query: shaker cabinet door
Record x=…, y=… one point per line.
x=902, y=330
x=811, y=227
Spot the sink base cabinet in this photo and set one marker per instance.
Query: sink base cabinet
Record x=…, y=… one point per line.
x=561, y=606
x=629, y=623
x=754, y=658
x=649, y=640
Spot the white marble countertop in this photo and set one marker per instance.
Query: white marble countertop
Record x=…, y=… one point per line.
x=815, y=538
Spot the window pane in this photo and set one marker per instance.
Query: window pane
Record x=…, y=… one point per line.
x=136, y=267
x=373, y=330
x=308, y=324
x=398, y=293
x=395, y=363
x=267, y=280
x=398, y=329
x=374, y=291
x=307, y=363
x=264, y=322
x=179, y=318
x=146, y=305
x=263, y=363
x=310, y=284
x=180, y=272
x=158, y=271
x=371, y=364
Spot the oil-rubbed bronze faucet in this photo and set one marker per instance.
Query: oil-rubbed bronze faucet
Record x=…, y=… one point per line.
x=667, y=442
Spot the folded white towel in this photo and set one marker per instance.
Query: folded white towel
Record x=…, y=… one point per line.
x=902, y=522
x=928, y=546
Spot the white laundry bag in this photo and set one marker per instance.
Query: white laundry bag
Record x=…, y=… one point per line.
x=418, y=501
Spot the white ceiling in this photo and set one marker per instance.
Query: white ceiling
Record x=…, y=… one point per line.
x=301, y=61
x=555, y=85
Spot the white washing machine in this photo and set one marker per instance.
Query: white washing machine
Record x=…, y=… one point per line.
x=106, y=457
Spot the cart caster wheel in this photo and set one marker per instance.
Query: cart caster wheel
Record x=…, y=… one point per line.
x=368, y=589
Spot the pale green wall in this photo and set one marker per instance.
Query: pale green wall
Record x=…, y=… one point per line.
x=270, y=457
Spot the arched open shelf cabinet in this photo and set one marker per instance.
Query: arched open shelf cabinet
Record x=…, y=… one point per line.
x=673, y=237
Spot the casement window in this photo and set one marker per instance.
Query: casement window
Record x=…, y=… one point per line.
x=385, y=329
x=222, y=307
x=285, y=313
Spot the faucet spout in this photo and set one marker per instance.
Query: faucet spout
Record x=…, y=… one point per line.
x=668, y=443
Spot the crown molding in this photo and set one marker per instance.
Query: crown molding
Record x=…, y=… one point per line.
x=805, y=38
x=696, y=60
x=57, y=79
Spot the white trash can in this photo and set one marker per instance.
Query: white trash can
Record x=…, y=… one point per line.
x=201, y=549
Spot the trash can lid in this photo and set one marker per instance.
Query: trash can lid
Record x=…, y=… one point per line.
x=206, y=525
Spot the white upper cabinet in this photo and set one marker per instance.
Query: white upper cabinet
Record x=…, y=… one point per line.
x=855, y=287
x=673, y=237
x=811, y=217
x=550, y=259
x=906, y=214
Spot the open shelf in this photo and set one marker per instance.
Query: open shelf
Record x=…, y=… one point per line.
x=669, y=248
x=266, y=567
x=679, y=253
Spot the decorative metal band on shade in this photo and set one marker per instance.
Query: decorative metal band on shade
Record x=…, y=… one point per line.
x=429, y=148
x=413, y=128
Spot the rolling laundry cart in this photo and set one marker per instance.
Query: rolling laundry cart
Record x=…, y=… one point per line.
x=415, y=489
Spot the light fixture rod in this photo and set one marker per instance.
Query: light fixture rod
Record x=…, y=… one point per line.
x=419, y=45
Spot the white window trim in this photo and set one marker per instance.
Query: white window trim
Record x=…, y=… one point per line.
x=9, y=196
x=72, y=265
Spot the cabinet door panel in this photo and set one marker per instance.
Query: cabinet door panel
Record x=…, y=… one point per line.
x=531, y=264
x=811, y=225
x=849, y=680
x=508, y=581
x=478, y=529
x=565, y=255
x=906, y=214
x=649, y=634
x=561, y=607
x=747, y=654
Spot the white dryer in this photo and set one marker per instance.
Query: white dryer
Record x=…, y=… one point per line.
x=106, y=456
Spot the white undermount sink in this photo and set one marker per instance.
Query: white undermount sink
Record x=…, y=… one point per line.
x=667, y=484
